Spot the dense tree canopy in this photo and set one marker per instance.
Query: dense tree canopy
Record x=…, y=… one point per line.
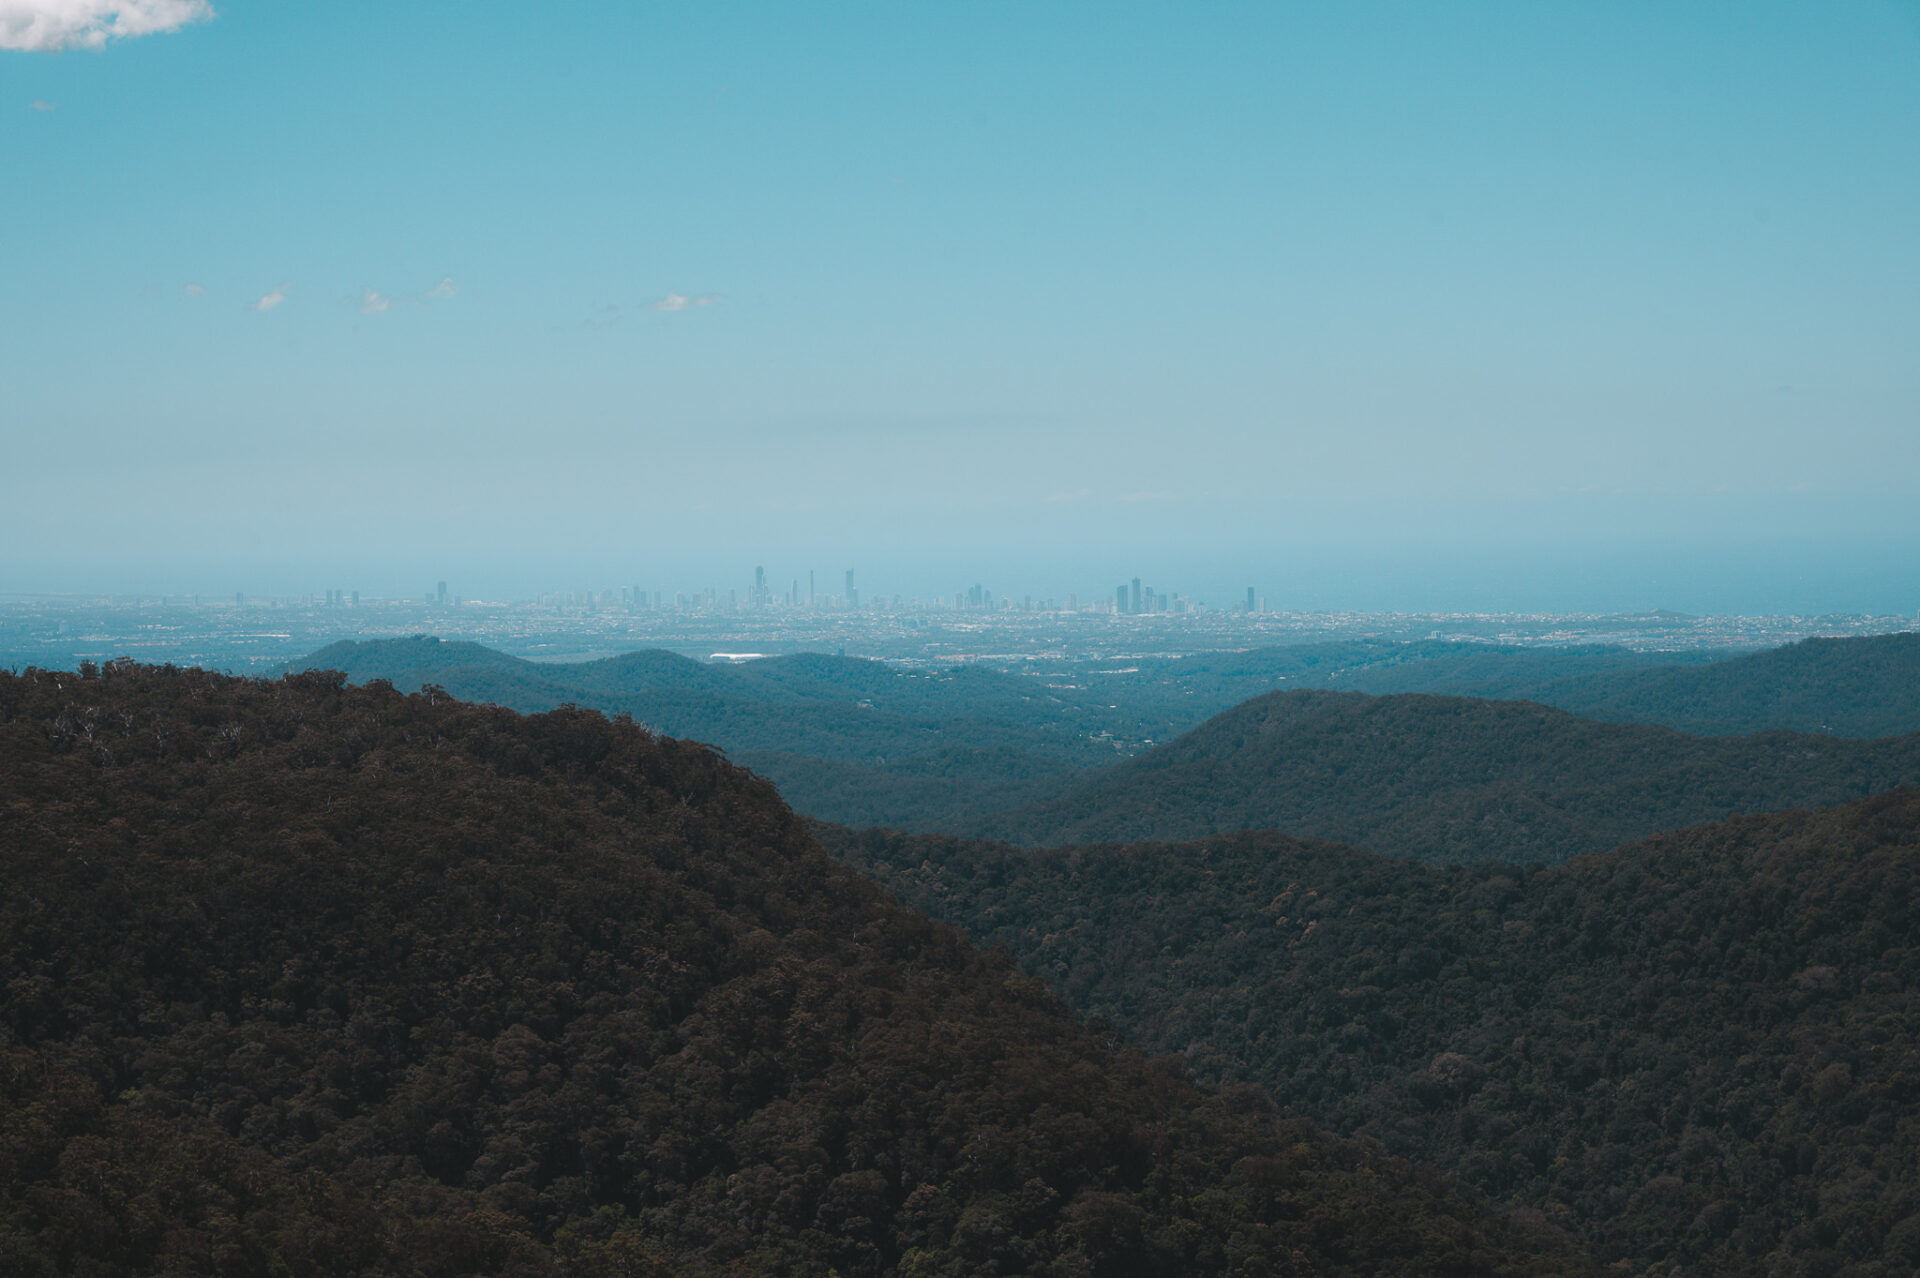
x=844, y=739
x=310, y=979
x=1862, y=686
x=862, y=742
x=1703, y=1050
x=1448, y=779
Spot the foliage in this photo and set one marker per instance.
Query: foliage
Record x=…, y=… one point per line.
x=1700, y=1051
x=844, y=739
x=862, y=742
x=1865, y=686
x=309, y=979
x=1447, y=779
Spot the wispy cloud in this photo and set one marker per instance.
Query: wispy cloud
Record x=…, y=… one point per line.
x=195, y=290
x=270, y=301
x=681, y=302
x=373, y=302
x=39, y=104
x=43, y=26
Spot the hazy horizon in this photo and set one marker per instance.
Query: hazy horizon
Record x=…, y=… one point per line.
x=1862, y=579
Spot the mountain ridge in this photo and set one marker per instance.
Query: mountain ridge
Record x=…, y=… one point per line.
x=861, y=742
x=1448, y=779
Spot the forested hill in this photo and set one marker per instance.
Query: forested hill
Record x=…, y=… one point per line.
x=1449, y=779
x=1701, y=1051
x=862, y=742
x=845, y=739
x=1867, y=686
x=306, y=979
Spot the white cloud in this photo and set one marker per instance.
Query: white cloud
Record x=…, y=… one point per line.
x=681, y=302
x=41, y=26
x=195, y=290
x=39, y=104
x=373, y=302
x=270, y=301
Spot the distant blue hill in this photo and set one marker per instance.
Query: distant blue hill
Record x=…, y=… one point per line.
x=1449, y=779
x=844, y=738
x=862, y=742
x=1854, y=687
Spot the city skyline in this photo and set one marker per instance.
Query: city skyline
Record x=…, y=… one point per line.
x=759, y=596
x=260, y=634
x=1872, y=577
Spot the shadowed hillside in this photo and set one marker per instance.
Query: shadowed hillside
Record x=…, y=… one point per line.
x=309, y=979
x=1449, y=779
x=1703, y=1049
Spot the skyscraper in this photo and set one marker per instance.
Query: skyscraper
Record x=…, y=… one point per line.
x=1136, y=596
x=1250, y=607
x=853, y=597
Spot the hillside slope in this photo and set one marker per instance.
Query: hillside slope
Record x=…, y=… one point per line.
x=861, y=742
x=308, y=979
x=1860, y=686
x=1702, y=1050
x=844, y=739
x=1449, y=779
x=1866, y=686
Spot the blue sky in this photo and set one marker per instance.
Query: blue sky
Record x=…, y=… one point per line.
x=1483, y=306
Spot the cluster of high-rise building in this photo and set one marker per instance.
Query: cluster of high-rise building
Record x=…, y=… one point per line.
x=1132, y=598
